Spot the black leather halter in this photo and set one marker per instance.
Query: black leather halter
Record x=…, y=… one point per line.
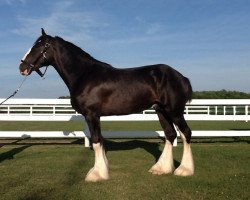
x=43, y=55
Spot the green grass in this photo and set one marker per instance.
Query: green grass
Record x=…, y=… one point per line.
x=122, y=126
x=58, y=171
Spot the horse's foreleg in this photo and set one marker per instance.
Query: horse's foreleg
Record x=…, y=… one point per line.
x=100, y=170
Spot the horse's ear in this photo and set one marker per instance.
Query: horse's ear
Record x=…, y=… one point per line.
x=43, y=32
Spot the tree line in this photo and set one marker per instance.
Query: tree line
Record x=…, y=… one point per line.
x=221, y=94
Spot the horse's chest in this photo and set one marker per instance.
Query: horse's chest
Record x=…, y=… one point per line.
x=77, y=105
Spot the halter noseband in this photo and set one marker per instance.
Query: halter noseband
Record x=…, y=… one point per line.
x=32, y=66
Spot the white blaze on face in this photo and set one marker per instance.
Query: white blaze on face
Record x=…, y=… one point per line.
x=27, y=53
x=26, y=71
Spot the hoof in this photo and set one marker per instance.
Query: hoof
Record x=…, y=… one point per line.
x=183, y=171
x=156, y=172
x=159, y=170
x=95, y=176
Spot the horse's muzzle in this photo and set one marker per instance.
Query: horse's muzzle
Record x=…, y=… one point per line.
x=26, y=70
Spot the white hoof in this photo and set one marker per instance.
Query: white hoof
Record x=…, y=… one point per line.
x=187, y=163
x=95, y=176
x=183, y=171
x=165, y=164
x=159, y=170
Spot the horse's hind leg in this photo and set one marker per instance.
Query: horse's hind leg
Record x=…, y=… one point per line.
x=100, y=170
x=165, y=164
x=186, y=167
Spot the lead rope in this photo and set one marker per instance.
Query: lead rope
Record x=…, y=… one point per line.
x=14, y=93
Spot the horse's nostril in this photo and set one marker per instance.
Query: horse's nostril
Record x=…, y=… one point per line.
x=24, y=72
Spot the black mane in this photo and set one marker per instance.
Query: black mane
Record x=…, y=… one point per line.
x=37, y=40
x=78, y=51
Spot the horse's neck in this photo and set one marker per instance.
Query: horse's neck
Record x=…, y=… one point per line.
x=70, y=67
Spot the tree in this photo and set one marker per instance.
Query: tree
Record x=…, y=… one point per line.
x=221, y=94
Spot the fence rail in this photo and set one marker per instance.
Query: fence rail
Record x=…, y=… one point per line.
x=61, y=110
x=222, y=109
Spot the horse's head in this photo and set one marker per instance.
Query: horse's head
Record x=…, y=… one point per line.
x=38, y=56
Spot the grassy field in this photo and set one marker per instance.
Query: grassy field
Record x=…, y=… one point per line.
x=122, y=126
x=56, y=171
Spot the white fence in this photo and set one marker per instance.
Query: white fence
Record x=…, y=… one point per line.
x=61, y=110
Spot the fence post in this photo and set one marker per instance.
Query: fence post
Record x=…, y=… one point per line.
x=175, y=142
x=246, y=111
x=87, y=135
x=54, y=110
x=86, y=142
x=176, y=139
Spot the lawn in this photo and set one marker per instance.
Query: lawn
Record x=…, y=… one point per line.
x=121, y=126
x=58, y=171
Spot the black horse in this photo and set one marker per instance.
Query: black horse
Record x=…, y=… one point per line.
x=98, y=89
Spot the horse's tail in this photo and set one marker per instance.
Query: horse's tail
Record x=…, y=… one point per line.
x=188, y=90
x=176, y=89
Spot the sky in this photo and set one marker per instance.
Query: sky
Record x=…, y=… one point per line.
x=208, y=41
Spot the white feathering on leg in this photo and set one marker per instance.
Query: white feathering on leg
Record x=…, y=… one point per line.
x=100, y=170
x=186, y=167
x=165, y=163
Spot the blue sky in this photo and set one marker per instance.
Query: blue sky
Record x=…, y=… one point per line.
x=206, y=40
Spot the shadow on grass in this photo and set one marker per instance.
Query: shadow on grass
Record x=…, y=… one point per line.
x=11, y=153
x=41, y=141
x=151, y=147
x=213, y=140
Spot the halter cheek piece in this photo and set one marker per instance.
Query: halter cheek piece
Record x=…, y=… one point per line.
x=43, y=55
